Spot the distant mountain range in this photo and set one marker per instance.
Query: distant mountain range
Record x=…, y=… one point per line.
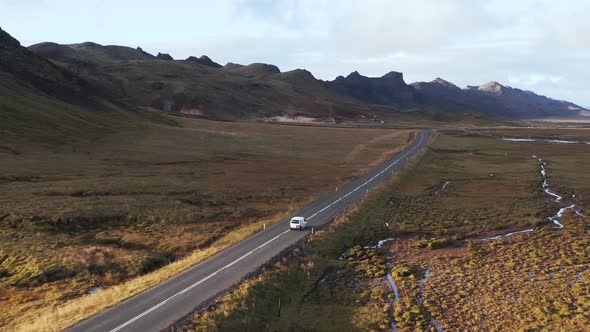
x=491, y=98
x=200, y=86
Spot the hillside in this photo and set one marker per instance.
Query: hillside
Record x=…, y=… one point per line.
x=197, y=86
x=54, y=94
x=89, y=52
x=45, y=103
x=21, y=66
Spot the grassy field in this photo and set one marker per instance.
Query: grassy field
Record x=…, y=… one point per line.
x=468, y=186
x=87, y=216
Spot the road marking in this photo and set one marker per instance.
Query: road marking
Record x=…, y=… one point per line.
x=196, y=283
x=260, y=246
x=371, y=179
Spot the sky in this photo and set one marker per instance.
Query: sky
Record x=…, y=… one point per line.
x=534, y=45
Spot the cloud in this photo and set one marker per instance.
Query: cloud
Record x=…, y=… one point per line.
x=531, y=80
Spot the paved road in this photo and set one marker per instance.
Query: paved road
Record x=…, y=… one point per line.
x=161, y=305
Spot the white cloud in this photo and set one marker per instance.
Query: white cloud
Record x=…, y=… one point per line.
x=531, y=80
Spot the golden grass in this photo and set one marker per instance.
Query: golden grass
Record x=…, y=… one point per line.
x=62, y=316
x=110, y=211
x=536, y=281
x=252, y=305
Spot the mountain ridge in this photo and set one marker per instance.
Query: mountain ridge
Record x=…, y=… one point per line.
x=492, y=98
x=126, y=71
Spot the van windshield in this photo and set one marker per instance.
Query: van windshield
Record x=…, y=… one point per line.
x=294, y=221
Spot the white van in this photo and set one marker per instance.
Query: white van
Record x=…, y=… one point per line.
x=297, y=223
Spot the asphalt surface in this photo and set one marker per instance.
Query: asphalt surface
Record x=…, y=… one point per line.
x=160, y=306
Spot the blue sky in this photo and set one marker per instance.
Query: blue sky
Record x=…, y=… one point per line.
x=535, y=45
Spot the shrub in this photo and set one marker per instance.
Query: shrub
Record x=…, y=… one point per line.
x=152, y=263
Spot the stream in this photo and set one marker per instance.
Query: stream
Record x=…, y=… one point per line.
x=396, y=299
x=546, y=140
x=380, y=243
x=558, y=215
x=420, y=300
x=497, y=237
x=544, y=185
x=555, y=219
x=444, y=186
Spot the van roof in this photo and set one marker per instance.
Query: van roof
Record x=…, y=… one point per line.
x=298, y=218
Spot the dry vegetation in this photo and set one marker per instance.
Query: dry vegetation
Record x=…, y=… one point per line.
x=447, y=276
x=84, y=216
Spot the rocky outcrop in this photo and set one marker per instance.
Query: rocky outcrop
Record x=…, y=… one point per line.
x=204, y=60
x=299, y=75
x=253, y=68
x=389, y=89
x=164, y=56
x=230, y=66
x=490, y=87
x=7, y=41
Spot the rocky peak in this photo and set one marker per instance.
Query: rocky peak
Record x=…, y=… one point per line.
x=232, y=66
x=262, y=68
x=393, y=75
x=6, y=40
x=490, y=87
x=164, y=56
x=298, y=75
x=354, y=74
x=144, y=53
x=204, y=60
x=389, y=89
x=444, y=83
x=90, y=44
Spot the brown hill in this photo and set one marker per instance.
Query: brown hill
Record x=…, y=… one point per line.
x=196, y=86
x=43, y=102
x=89, y=52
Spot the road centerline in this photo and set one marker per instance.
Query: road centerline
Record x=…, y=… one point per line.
x=138, y=317
x=368, y=181
x=195, y=284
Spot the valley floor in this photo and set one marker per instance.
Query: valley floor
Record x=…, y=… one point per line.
x=469, y=238
x=86, y=217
